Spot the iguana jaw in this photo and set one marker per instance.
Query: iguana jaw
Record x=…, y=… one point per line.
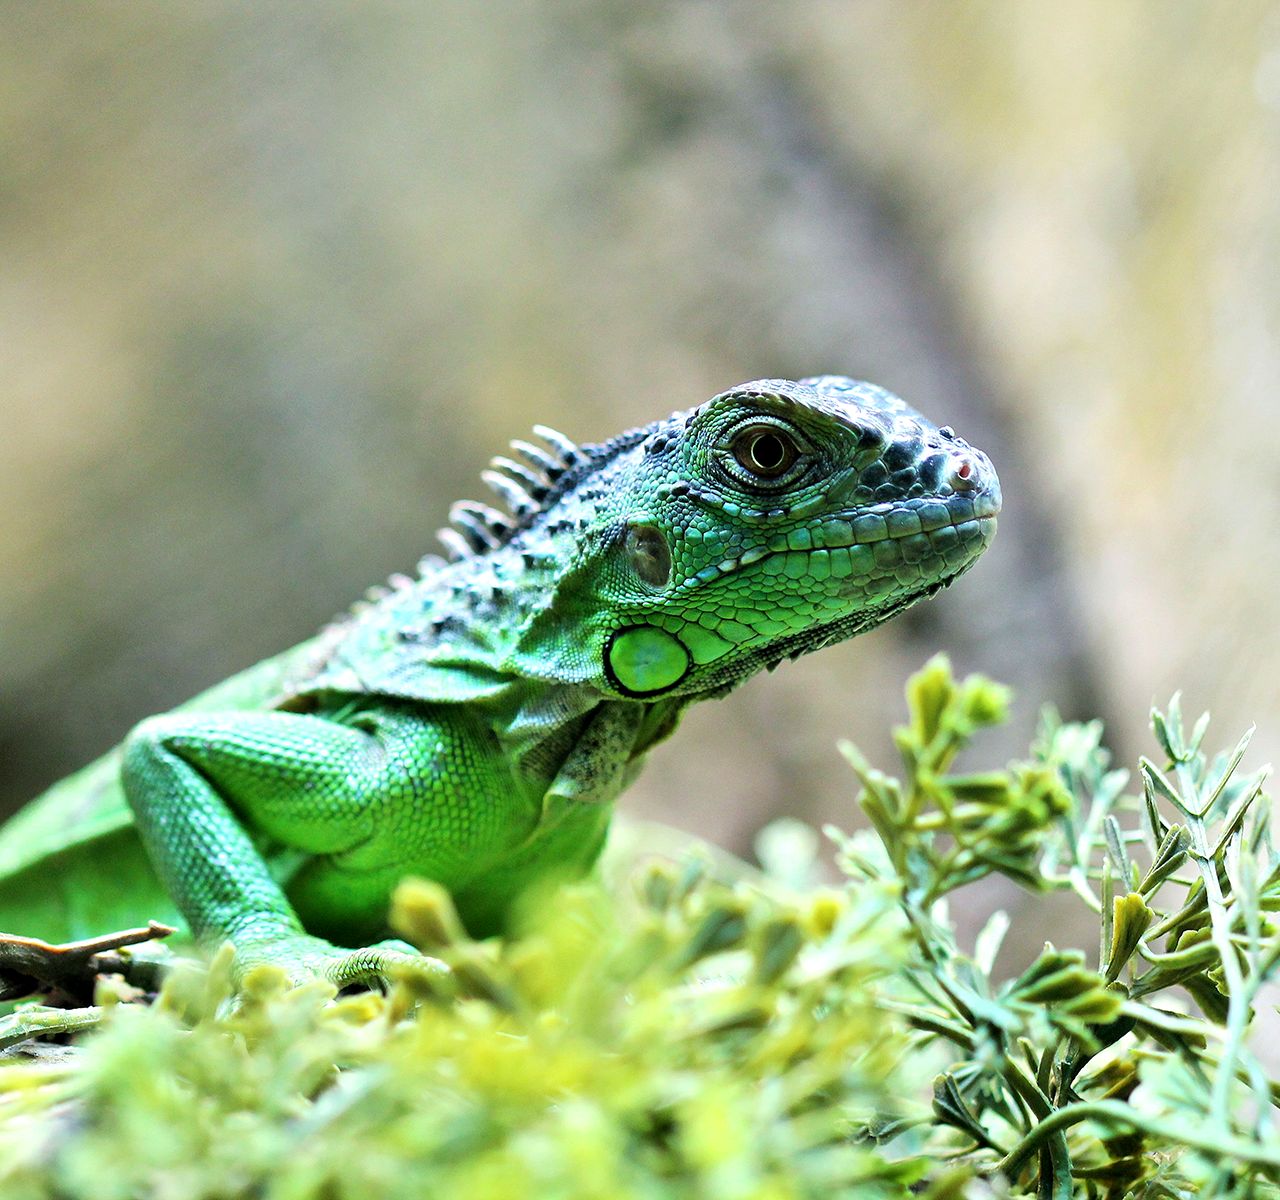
x=842, y=628
x=860, y=603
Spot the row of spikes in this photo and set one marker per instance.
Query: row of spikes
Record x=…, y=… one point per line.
x=522, y=486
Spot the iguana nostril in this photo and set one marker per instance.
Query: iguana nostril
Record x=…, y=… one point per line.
x=964, y=476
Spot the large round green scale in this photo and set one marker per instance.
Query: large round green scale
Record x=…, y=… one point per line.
x=644, y=660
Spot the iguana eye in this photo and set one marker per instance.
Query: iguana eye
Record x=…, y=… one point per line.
x=764, y=450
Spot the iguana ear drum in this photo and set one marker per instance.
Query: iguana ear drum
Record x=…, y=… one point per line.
x=643, y=660
x=648, y=552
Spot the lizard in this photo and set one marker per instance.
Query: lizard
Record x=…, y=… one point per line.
x=475, y=723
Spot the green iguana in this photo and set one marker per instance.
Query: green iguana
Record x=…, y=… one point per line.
x=475, y=724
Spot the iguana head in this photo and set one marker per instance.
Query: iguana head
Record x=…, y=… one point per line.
x=676, y=559
x=773, y=519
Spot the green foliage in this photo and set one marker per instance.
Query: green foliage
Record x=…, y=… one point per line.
x=1131, y=1079
x=709, y=1041
x=758, y=1038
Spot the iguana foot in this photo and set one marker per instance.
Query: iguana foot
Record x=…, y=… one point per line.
x=304, y=958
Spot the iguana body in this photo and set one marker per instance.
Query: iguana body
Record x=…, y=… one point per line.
x=474, y=725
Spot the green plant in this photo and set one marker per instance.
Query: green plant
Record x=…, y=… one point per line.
x=701, y=1036
x=1133, y=1078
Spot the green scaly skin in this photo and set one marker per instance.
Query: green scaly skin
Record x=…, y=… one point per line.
x=474, y=725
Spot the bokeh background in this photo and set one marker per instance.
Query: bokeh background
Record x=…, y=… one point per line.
x=277, y=280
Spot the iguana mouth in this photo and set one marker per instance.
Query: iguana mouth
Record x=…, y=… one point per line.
x=914, y=527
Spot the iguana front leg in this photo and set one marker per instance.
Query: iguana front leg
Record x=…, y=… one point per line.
x=198, y=782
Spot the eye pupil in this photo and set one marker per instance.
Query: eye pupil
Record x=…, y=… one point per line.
x=765, y=453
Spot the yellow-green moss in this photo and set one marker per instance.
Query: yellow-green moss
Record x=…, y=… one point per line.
x=688, y=1035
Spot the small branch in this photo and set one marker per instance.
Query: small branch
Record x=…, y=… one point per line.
x=27, y=964
x=23, y=1026
x=1116, y=1112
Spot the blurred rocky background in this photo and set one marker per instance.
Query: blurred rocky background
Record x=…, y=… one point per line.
x=277, y=280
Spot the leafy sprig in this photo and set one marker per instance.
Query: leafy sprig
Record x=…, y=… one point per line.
x=1131, y=1078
